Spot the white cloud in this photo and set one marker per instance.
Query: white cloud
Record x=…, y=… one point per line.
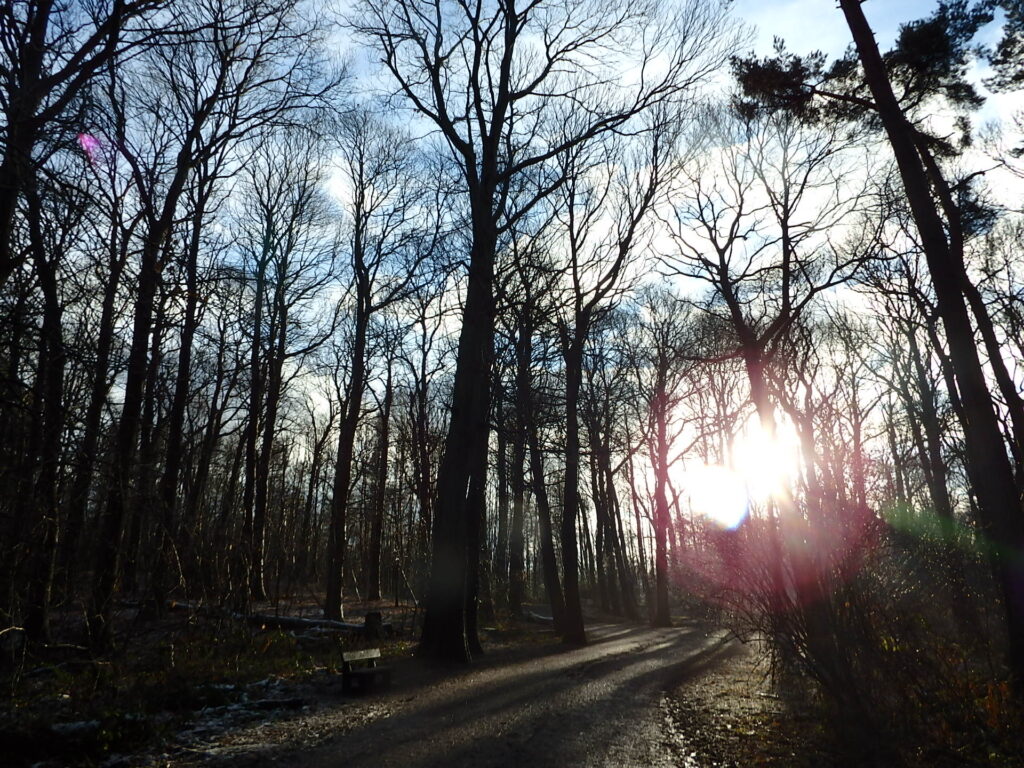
x=818, y=25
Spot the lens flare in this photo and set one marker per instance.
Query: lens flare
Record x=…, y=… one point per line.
x=768, y=463
x=718, y=493
x=766, y=538
x=90, y=145
x=762, y=466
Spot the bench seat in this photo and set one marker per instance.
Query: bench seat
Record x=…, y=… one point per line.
x=360, y=673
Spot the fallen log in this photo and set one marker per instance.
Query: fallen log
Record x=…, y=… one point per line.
x=272, y=621
x=531, y=616
x=269, y=621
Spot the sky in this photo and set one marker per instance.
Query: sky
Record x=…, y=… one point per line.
x=809, y=25
x=818, y=25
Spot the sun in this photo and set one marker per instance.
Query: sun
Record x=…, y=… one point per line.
x=769, y=463
x=762, y=466
x=717, y=493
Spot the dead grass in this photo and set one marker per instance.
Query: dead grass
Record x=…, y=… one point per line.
x=69, y=709
x=735, y=716
x=732, y=716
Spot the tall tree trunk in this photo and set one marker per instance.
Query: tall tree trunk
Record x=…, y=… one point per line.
x=275, y=365
x=226, y=573
x=99, y=388
x=141, y=519
x=337, y=543
x=257, y=388
x=899, y=482
x=500, y=571
x=380, y=496
x=929, y=446
x=645, y=580
x=420, y=428
x=306, y=542
x=13, y=447
x=167, y=491
x=50, y=391
x=661, y=617
x=573, y=631
x=549, y=565
x=625, y=574
x=256, y=539
x=17, y=167
x=478, y=589
x=998, y=502
x=445, y=630
x=517, y=562
x=193, y=522
x=601, y=545
x=111, y=523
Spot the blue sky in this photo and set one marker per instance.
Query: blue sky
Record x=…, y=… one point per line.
x=808, y=25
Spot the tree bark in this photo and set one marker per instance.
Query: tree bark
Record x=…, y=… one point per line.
x=661, y=617
x=380, y=497
x=50, y=393
x=573, y=631
x=998, y=502
x=445, y=630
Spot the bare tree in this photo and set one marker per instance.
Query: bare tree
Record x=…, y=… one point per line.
x=288, y=249
x=998, y=494
x=661, y=355
x=52, y=51
x=529, y=291
x=393, y=226
x=495, y=80
x=263, y=68
x=757, y=218
x=605, y=211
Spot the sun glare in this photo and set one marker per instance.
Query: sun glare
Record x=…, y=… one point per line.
x=768, y=463
x=718, y=493
x=762, y=467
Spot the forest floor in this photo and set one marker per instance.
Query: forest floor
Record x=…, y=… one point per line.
x=686, y=696
x=529, y=701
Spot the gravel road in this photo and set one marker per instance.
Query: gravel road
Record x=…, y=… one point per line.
x=601, y=705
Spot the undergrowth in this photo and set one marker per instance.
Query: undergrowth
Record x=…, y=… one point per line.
x=62, y=706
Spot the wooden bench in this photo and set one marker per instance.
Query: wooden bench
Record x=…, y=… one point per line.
x=360, y=673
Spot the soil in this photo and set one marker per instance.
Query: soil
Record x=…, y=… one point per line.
x=684, y=697
x=732, y=717
x=528, y=701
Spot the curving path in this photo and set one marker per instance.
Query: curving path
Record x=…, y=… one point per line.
x=601, y=705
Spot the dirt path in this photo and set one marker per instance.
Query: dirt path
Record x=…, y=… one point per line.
x=602, y=705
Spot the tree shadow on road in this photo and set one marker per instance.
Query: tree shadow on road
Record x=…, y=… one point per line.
x=559, y=707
